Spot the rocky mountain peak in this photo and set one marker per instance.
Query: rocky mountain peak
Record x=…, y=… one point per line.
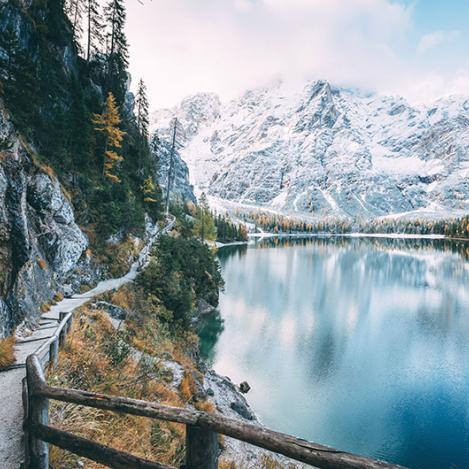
x=194, y=111
x=327, y=151
x=317, y=107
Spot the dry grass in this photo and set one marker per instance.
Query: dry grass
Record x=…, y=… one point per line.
x=90, y=231
x=267, y=462
x=119, y=257
x=7, y=352
x=59, y=296
x=85, y=363
x=124, y=297
x=206, y=406
x=45, y=168
x=187, y=386
x=225, y=464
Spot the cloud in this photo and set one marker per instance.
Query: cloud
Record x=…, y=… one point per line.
x=182, y=47
x=433, y=85
x=436, y=38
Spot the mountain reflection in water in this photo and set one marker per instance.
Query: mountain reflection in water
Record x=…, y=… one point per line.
x=361, y=344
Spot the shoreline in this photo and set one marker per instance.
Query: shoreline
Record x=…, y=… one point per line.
x=437, y=237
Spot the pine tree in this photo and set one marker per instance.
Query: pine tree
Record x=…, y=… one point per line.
x=18, y=77
x=75, y=10
x=117, y=53
x=155, y=145
x=142, y=114
x=108, y=123
x=94, y=29
x=174, y=144
x=204, y=226
x=79, y=129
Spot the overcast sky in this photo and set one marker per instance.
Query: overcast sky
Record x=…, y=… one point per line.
x=414, y=48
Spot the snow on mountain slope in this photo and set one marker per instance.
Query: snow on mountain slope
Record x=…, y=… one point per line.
x=327, y=151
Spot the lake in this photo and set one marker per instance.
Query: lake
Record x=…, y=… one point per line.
x=360, y=344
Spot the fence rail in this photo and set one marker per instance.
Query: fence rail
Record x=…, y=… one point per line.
x=202, y=429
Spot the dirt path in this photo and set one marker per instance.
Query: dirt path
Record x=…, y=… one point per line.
x=11, y=409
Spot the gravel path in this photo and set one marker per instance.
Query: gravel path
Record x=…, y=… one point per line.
x=11, y=408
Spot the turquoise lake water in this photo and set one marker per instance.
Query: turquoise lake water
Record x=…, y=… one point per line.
x=359, y=344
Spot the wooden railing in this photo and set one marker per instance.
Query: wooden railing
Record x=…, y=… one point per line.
x=202, y=448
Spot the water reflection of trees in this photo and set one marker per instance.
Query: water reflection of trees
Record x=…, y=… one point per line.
x=238, y=250
x=416, y=245
x=210, y=328
x=342, y=283
x=334, y=327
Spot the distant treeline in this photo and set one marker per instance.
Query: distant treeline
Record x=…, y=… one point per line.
x=228, y=232
x=275, y=223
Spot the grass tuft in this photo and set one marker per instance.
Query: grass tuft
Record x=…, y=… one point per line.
x=187, y=386
x=205, y=406
x=59, y=296
x=7, y=352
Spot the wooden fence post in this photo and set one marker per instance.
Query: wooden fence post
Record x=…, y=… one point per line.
x=69, y=323
x=25, y=399
x=63, y=331
x=38, y=412
x=202, y=448
x=54, y=352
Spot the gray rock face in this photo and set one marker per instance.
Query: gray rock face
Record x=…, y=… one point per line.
x=325, y=151
x=40, y=242
x=61, y=239
x=181, y=189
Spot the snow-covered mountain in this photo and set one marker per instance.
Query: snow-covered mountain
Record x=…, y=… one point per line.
x=327, y=151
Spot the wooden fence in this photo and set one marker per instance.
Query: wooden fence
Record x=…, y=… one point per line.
x=202, y=429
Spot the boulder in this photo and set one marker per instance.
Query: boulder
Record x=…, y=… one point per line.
x=244, y=387
x=116, y=312
x=240, y=407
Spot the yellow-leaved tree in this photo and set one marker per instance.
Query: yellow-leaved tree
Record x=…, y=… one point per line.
x=108, y=123
x=149, y=191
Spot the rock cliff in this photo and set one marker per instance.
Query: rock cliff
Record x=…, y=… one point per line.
x=40, y=243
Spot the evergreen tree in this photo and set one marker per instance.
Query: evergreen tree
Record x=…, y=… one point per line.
x=155, y=145
x=108, y=123
x=94, y=29
x=117, y=53
x=75, y=10
x=142, y=114
x=9, y=44
x=79, y=129
x=204, y=226
x=18, y=78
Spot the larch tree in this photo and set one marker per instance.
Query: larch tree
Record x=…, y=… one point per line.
x=152, y=197
x=141, y=108
x=108, y=123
